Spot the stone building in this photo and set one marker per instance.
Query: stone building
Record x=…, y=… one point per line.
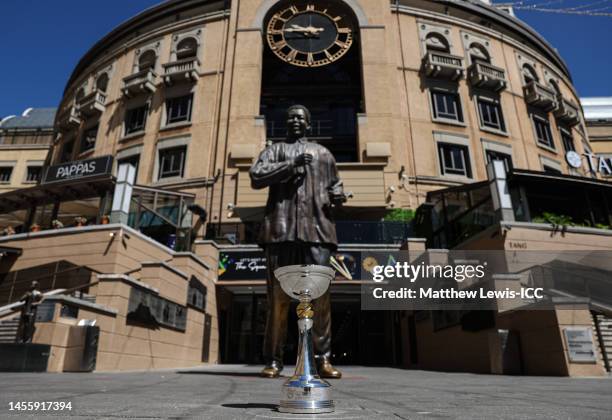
x=161, y=120
x=25, y=141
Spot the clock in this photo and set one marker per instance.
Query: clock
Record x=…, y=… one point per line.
x=312, y=36
x=573, y=159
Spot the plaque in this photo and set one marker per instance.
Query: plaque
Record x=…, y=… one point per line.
x=580, y=344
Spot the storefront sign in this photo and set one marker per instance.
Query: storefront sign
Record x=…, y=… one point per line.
x=239, y=265
x=78, y=170
x=580, y=344
x=596, y=164
x=251, y=265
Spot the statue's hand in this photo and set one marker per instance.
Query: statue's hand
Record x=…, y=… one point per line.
x=303, y=159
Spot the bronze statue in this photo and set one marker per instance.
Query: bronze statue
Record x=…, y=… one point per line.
x=31, y=300
x=297, y=229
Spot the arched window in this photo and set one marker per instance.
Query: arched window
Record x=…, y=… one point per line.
x=479, y=53
x=80, y=95
x=529, y=74
x=102, y=82
x=147, y=60
x=436, y=42
x=187, y=48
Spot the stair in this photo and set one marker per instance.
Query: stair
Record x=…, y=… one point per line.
x=604, y=324
x=8, y=330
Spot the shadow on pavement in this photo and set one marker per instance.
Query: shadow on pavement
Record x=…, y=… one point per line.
x=250, y=405
x=219, y=373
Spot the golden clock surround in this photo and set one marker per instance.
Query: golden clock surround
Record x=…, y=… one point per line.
x=276, y=29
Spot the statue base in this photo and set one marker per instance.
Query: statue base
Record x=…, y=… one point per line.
x=303, y=395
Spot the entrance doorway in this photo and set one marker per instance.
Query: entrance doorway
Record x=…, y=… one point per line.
x=359, y=337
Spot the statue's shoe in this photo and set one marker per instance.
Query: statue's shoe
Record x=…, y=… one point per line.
x=271, y=370
x=326, y=370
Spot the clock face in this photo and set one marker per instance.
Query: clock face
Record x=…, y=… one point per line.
x=308, y=37
x=573, y=159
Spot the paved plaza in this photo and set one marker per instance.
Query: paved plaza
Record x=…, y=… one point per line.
x=236, y=392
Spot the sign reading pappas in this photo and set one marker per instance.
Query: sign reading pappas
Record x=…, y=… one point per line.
x=78, y=170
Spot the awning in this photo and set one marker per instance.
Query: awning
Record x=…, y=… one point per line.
x=576, y=180
x=61, y=191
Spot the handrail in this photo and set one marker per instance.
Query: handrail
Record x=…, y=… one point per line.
x=15, y=306
x=55, y=274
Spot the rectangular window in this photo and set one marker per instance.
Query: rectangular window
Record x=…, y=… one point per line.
x=454, y=160
x=504, y=157
x=568, y=140
x=543, y=133
x=136, y=119
x=67, y=151
x=132, y=160
x=5, y=174
x=34, y=173
x=446, y=106
x=491, y=114
x=178, y=109
x=551, y=170
x=88, y=141
x=172, y=162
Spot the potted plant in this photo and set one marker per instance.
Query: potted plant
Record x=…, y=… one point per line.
x=56, y=224
x=80, y=221
x=105, y=220
x=35, y=228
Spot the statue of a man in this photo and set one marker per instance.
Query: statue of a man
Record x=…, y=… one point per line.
x=297, y=229
x=31, y=300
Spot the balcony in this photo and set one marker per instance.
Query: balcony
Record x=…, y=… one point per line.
x=442, y=65
x=69, y=118
x=93, y=103
x=487, y=76
x=140, y=82
x=540, y=96
x=187, y=70
x=567, y=112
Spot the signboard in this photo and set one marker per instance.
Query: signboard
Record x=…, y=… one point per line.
x=596, y=164
x=81, y=169
x=251, y=265
x=242, y=265
x=580, y=344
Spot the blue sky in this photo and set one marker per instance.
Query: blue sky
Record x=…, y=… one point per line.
x=42, y=40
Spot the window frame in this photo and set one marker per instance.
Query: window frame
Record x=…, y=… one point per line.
x=435, y=114
x=11, y=170
x=467, y=170
x=160, y=163
x=501, y=128
x=83, y=136
x=168, y=122
x=566, y=134
x=26, y=179
x=546, y=123
x=128, y=114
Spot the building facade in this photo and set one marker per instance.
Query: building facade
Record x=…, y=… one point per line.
x=598, y=119
x=412, y=97
x=25, y=142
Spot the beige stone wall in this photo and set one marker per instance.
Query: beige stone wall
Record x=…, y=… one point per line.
x=19, y=158
x=122, y=346
x=396, y=99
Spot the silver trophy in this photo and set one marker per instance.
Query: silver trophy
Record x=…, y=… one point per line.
x=305, y=392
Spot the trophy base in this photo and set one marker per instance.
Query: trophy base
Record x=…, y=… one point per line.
x=314, y=398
